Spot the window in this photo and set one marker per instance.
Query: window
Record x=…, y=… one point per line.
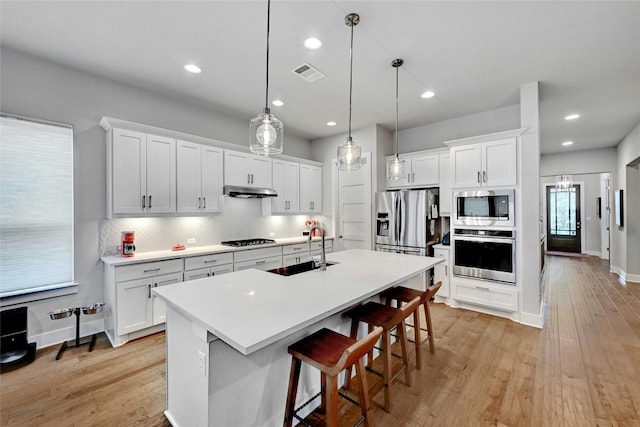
x=36, y=208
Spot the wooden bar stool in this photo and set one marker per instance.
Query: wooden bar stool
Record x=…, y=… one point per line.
x=331, y=353
x=403, y=294
x=388, y=318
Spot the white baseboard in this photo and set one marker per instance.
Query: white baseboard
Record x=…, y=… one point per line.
x=623, y=277
x=635, y=278
x=594, y=253
x=47, y=339
x=535, y=320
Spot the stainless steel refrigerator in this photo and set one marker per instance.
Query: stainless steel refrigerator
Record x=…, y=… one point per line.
x=407, y=221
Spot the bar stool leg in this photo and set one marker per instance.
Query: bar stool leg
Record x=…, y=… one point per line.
x=363, y=387
x=293, y=391
x=427, y=314
x=323, y=398
x=416, y=337
x=332, y=400
x=386, y=351
x=405, y=355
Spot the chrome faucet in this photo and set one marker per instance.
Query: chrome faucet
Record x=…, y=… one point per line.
x=323, y=259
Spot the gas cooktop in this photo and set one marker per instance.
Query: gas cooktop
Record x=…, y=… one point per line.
x=247, y=242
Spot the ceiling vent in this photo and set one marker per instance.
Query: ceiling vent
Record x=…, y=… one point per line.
x=308, y=72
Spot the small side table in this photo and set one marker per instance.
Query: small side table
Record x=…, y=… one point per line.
x=67, y=312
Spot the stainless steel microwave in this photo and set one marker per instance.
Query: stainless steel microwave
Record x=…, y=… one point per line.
x=485, y=208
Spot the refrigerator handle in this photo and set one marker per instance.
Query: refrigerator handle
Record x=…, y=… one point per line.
x=399, y=216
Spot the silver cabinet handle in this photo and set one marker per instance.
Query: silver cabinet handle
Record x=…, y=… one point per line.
x=261, y=262
x=144, y=202
x=413, y=177
x=149, y=289
x=478, y=176
x=446, y=270
x=297, y=249
x=210, y=261
x=484, y=176
x=199, y=204
x=151, y=270
x=408, y=177
x=248, y=178
x=251, y=178
x=204, y=203
x=149, y=201
x=482, y=288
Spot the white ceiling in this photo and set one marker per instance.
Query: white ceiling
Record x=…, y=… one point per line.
x=474, y=55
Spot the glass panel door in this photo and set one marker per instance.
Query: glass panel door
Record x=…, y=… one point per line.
x=563, y=219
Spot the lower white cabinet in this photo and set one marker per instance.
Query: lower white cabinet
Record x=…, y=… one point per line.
x=262, y=259
x=302, y=252
x=441, y=271
x=198, y=267
x=487, y=294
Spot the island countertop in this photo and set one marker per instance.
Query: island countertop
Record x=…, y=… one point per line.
x=251, y=309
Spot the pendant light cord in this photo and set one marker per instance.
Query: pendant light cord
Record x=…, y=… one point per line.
x=397, y=112
x=350, y=77
x=266, y=98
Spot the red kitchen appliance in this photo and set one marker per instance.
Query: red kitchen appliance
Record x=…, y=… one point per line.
x=128, y=249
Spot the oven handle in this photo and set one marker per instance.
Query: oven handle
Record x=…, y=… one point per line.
x=485, y=239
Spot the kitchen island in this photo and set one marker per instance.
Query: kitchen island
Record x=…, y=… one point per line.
x=227, y=336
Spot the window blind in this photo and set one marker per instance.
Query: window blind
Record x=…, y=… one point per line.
x=36, y=206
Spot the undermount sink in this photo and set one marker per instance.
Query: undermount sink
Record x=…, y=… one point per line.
x=290, y=270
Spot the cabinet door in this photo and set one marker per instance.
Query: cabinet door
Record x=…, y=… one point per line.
x=128, y=171
x=211, y=179
x=196, y=274
x=236, y=168
x=441, y=272
x=260, y=169
x=279, y=204
x=466, y=166
x=159, y=306
x=405, y=179
x=221, y=269
x=189, y=191
x=424, y=171
x=499, y=162
x=444, y=184
x=292, y=186
x=161, y=174
x=135, y=310
x=310, y=189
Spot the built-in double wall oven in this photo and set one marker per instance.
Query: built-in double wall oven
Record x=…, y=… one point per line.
x=484, y=236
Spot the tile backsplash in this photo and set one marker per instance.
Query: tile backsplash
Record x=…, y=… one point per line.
x=241, y=219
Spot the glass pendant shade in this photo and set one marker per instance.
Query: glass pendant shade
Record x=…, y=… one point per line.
x=564, y=182
x=349, y=156
x=266, y=134
x=395, y=168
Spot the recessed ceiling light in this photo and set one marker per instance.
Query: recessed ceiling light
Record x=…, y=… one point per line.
x=331, y=123
x=566, y=143
x=428, y=94
x=192, y=68
x=572, y=116
x=312, y=43
x=277, y=103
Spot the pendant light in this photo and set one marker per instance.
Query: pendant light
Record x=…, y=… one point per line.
x=564, y=182
x=349, y=153
x=265, y=130
x=395, y=166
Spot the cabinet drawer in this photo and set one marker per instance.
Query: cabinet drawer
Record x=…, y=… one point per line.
x=295, y=249
x=147, y=269
x=488, y=295
x=260, y=264
x=257, y=254
x=196, y=262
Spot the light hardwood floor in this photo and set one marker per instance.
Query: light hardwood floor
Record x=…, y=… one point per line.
x=582, y=369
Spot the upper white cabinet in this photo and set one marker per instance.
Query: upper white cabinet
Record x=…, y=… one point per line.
x=246, y=170
x=141, y=173
x=420, y=171
x=310, y=189
x=199, y=173
x=486, y=164
x=444, y=184
x=286, y=182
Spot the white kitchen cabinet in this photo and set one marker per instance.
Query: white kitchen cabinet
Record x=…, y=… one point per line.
x=247, y=170
x=310, y=189
x=207, y=265
x=486, y=294
x=444, y=184
x=486, y=164
x=286, y=182
x=302, y=252
x=262, y=258
x=420, y=171
x=199, y=178
x=441, y=271
x=159, y=308
x=141, y=173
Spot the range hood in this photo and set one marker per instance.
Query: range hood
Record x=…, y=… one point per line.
x=248, y=192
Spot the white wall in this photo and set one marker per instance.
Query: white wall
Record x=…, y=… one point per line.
x=578, y=162
x=433, y=135
x=37, y=88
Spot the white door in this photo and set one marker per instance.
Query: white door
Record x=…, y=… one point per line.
x=604, y=217
x=134, y=305
x=354, y=207
x=499, y=162
x=161, y=174
x=189, y=179
x=292, y=186
x=465, y=166
x=236, y=168
x=424, y=171
x=211, y=179
x=129, y=175
x=260, y=172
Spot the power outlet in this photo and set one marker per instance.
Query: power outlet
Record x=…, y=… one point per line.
x=191, y=241
x=272, y=234
x=202, y=363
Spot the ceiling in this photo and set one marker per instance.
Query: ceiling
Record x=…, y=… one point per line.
x=474, y=55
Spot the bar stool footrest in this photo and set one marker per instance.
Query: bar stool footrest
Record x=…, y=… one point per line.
x=312, y=398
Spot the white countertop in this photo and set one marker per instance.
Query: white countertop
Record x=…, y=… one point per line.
x=198, y=250
x=251, y=309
